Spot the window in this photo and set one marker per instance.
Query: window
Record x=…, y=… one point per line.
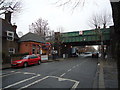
x=10, y=35
x=34, y=45
x=33, y=56
x=11, y=51
x=33, y=50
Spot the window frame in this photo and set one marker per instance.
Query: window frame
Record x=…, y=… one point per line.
x=13, y=51
x=10, y=36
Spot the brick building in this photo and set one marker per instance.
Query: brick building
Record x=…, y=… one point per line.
x=9, y=38
x=33, y=44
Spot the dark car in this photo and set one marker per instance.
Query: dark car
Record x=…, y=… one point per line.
x=95, y=54
x=26, y=60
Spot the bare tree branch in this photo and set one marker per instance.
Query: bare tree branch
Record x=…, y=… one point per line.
x=73, y=3
x=9, y=5
x=40, y=27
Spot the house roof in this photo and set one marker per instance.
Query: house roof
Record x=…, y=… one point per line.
x=31, y=37
x=6, y=26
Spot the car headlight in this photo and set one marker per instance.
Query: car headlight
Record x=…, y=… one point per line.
x=19, y=62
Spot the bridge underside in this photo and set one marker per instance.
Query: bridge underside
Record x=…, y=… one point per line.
x=107, y=42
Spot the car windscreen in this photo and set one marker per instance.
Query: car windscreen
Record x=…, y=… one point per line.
x=24, y=57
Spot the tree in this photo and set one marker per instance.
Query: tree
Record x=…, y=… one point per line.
x=40, y=27
x=11, y=5
x=72, y=3
x=99, y=21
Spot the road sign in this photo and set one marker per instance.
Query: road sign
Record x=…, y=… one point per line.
x=80, y=32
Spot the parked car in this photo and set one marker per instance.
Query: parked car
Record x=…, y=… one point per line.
x=26, y=60
x=95, y=54
x=87, y=54
x=75, y=55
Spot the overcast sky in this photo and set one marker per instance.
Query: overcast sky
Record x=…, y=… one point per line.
x=59, y=16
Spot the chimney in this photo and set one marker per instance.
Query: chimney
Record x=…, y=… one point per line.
x=14, y=27
x=8, y=16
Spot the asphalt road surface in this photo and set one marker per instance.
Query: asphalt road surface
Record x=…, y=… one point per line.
x=71, y=73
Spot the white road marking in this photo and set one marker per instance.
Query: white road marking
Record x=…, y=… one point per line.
x=28, y=73
x=82, y=62
x=9, y=74
x=75, y=86
x=33, y=83
x=21, y=81
x=69, y=70
x=73, y=67
x=62, y=75
x=63, y=79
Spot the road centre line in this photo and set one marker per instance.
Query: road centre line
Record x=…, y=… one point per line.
x=62, y=75
x=21, y=81
x=33, y=83
x=69, y=70
x=73, y=66
x=82, y=62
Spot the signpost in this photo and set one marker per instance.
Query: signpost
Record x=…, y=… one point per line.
x=44, y=58
x=80, y=32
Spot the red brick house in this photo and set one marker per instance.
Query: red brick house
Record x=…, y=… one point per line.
x=32, y=43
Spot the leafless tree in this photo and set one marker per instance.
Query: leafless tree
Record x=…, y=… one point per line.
x=72, y=3
x=99, y=21
x=40, y=27
x=9, y=5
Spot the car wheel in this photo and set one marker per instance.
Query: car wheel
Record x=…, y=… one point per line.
x=25, y=64
x=39, y=62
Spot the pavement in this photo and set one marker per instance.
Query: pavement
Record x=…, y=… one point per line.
x=108, y=75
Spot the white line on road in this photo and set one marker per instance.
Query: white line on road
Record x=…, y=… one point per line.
x=62, y=75
x=9, y=74
x=73, y=67
x=69, y=70
x=75, y=86
x=28, y=73
x=21, y=81
x=61, y=79
x=33, y=83
x=82, y=62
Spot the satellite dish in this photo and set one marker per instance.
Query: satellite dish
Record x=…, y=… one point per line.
x=20, y=34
